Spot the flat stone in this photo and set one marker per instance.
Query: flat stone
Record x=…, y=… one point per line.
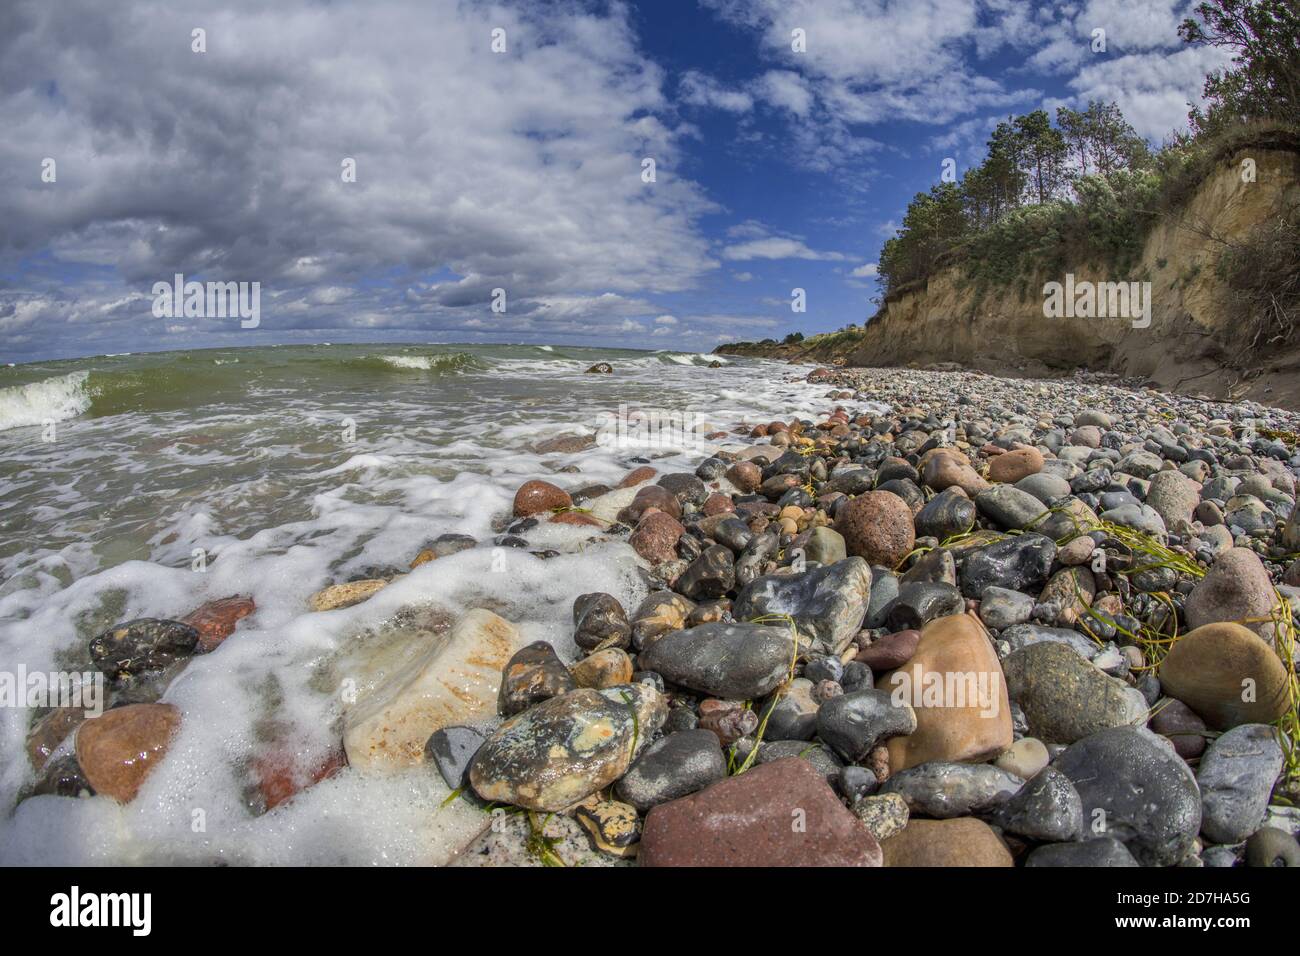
x=455, y=680
x=778, y=814
x=216, y=620
x=338, y=596
x=451, y=749
x=942, y=789
x=562, y=750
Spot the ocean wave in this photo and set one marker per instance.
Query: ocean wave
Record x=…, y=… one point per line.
x=51, y=399
x=690, y=358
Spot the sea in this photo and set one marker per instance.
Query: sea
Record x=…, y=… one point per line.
x=143, y=485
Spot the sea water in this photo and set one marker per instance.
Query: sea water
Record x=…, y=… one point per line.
x=143, y=485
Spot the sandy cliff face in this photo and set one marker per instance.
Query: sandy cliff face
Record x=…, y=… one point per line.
x=1191, y=335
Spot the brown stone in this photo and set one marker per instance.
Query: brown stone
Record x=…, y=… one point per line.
x=1208, y=670
x=50, y=731
x=281, y=773
x=655, y=537
x=602, y=669
x=954, y=648
x=963, y=841
x=650, y=497
x=946, y=467
x=536, y=496
x=1013, y=465
x=117, y=751
x=877, y=526
x=424, y=557
x=718, y=504
x=745, y=475
x=890, y=651
x=215, y=621
x=1237, y=588
x=637, y=475
x=580, y=518
x=345, y=595
x=781, y=813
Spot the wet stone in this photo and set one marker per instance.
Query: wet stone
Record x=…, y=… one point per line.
x=142, y=645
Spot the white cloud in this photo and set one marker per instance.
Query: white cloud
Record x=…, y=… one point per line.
x=866, y=271
x=699, y=89
x=665, y=320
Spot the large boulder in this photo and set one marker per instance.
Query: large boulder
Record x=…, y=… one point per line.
x=455, y=681
x=1066, y=698
x=955, y=684
x=877, y=526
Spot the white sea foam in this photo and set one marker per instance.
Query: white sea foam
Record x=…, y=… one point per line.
x=51, y=399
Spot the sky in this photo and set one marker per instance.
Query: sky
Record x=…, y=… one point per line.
x=656, y=174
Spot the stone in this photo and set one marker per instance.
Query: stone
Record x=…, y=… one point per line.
x=947, y=469
x=119, y=749
x=451, y=749
x=729, y=723
x=877, y=526
x=1045, y=487
x=50, y=731
x=1178, y=723
x=942, y=790
x=143, y=645
x=746, y=476
x=673, y=766
x=964, y=842
x=827, y=603
x=1236, y=778
x=613, y=827
x=534, y=674
x=1018, y=563
x=1009, y=508
x=600, y=622
x=659, y=613
x=603, y=669
x=216, y=620
x=746, y=821
x=1236, y=588
x=884, y=814
x=825, y=546
x=1211, y=668
x=791, y=712
x=338, y=596
x=601, y=368
x=974, y=723
x=1173, y=497
x=1102, y=851
x=920, y=602
x=685, y=487
x=890, y=651
x=1269, y=846
x=818, y=755
x=454, y=680
x=1024, y=758
x=282, y=772
x=1002, y=608
x=852, y=724
x=711, y=575
x=655, y=537
x=1026, y=635
x=1011, y=466
x=947, y=514
x=1064, y=697
x=732, y=661
x=562, y=750
x=534, y=497
x=638, y=475
x=1134, y=782
x=1047, y=809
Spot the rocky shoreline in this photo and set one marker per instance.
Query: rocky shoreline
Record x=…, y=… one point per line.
x=1005, y=622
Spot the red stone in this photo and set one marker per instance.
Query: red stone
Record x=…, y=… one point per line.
x=655, y=537
x=782, y=813
x=535, y=496
x=718, y=504
x=215, y=621
x=118, y=749
x=576, y=517
x=891, y=651
x=637, y=475
x=282, y=774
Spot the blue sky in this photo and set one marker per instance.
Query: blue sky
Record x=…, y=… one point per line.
x=516, y=169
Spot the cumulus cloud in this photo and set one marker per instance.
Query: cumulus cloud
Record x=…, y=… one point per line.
x=474, y=170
